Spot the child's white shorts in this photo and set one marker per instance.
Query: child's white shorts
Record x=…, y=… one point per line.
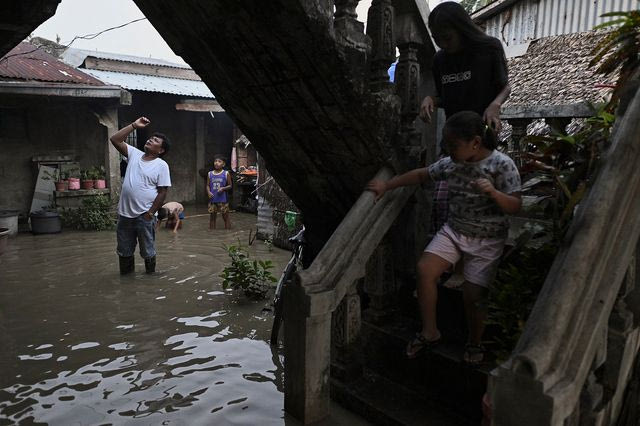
x=481, y=256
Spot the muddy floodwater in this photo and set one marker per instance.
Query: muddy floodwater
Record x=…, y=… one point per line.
x=79, y=344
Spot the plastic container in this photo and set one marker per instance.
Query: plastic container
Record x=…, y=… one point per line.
x=4, y=237
x=45, y=222
x=74, y=184
x=9, y=220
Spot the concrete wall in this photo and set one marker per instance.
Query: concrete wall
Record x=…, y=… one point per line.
x=36, y=126
x=39, y=126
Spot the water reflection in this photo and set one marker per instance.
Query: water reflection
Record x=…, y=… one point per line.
x=81, y=345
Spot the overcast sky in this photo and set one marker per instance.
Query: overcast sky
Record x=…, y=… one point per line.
x=83, y=17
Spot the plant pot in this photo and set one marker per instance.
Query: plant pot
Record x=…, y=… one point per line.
x=99, y=184
x=62, y=185
x=86, y=184
x=4, y=237
x=9, y=220
x=45, y=222
x=74, y=184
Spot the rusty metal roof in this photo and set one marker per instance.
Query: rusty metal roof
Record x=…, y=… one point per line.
x=27, y=62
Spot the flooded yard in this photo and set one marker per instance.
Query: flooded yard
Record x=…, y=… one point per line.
x=79, y=344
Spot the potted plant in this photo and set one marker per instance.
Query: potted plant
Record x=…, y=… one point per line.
x=74, y=179
x=86, y=179
x=99, y=175
x=59, y=179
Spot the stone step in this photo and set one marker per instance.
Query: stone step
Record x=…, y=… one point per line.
x=439, y=374
x=384, y=402
x=451, y=317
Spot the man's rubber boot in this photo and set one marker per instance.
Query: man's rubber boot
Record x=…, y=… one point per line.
x=150, y=265
x=127, y=265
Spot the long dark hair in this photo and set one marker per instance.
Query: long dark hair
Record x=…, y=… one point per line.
x=466, y=125
x=451, y=14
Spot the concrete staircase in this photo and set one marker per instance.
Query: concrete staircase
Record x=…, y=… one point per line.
x=436, y=388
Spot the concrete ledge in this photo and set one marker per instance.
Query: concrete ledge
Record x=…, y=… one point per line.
x=73, y=199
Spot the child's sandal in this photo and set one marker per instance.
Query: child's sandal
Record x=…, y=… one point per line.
x=419, y=343
x=474, y=354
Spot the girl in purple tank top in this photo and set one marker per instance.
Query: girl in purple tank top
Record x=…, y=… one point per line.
x=218, y=183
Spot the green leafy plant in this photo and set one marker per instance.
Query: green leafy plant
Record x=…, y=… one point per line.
x=514, y=293
x=56, y=176
x=620, y=48
x=269, y=243
x=252, y=276
x=94, y=214
x=99, y=172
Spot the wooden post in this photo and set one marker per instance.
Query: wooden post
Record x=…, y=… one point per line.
x=200, y=160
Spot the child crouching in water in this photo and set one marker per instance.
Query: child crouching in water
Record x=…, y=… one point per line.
x=484, y=186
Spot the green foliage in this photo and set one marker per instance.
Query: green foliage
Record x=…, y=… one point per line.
x=515, y=291
x=569, y=162
x=94, y=214
x=269, y=243
x=619, y=49
x=473, y=5
x=567, y=165
x=252, y=276
x=99, y=172
x=56, y=176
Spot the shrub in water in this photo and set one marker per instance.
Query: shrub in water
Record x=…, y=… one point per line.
x=252, y=276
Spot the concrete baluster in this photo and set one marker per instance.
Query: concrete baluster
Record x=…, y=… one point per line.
x=381, y=30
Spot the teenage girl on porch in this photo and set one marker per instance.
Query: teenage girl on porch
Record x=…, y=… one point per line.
x=218, y=183
x=470, y=74
x=484, y=185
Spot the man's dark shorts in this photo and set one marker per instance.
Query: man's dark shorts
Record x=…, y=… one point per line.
x=137, y=229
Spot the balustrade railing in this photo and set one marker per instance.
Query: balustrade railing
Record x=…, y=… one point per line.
x=573, y=359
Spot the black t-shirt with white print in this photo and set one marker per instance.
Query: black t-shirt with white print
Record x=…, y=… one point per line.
x=471, y=79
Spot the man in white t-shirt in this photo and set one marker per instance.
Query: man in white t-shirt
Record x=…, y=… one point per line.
x=144, y=188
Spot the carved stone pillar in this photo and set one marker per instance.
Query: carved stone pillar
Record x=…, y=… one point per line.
x=518, y=132
x=383, y=53
x=380, y=283
x=407, y=76
x=349, y=31
x=345, y=333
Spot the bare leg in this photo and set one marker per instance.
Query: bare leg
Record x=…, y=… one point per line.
x=212, y=221
x=227, y=222
x=430, y=268
x=475, y=310
x=215, y=216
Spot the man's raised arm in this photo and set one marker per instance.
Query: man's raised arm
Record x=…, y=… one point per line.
x=118, y=138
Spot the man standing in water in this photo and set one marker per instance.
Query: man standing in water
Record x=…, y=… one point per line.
x=144, y=189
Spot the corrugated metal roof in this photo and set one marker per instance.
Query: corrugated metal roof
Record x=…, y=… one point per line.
x=76, y=57
x=148, y=83
x=528, y=20
x=27, y=62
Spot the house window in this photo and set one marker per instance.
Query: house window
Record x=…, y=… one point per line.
x=132, y=138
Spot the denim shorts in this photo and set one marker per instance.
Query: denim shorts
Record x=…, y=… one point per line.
x=137, y=229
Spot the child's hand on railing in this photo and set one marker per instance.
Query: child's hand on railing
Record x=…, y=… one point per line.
x=378, y=187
